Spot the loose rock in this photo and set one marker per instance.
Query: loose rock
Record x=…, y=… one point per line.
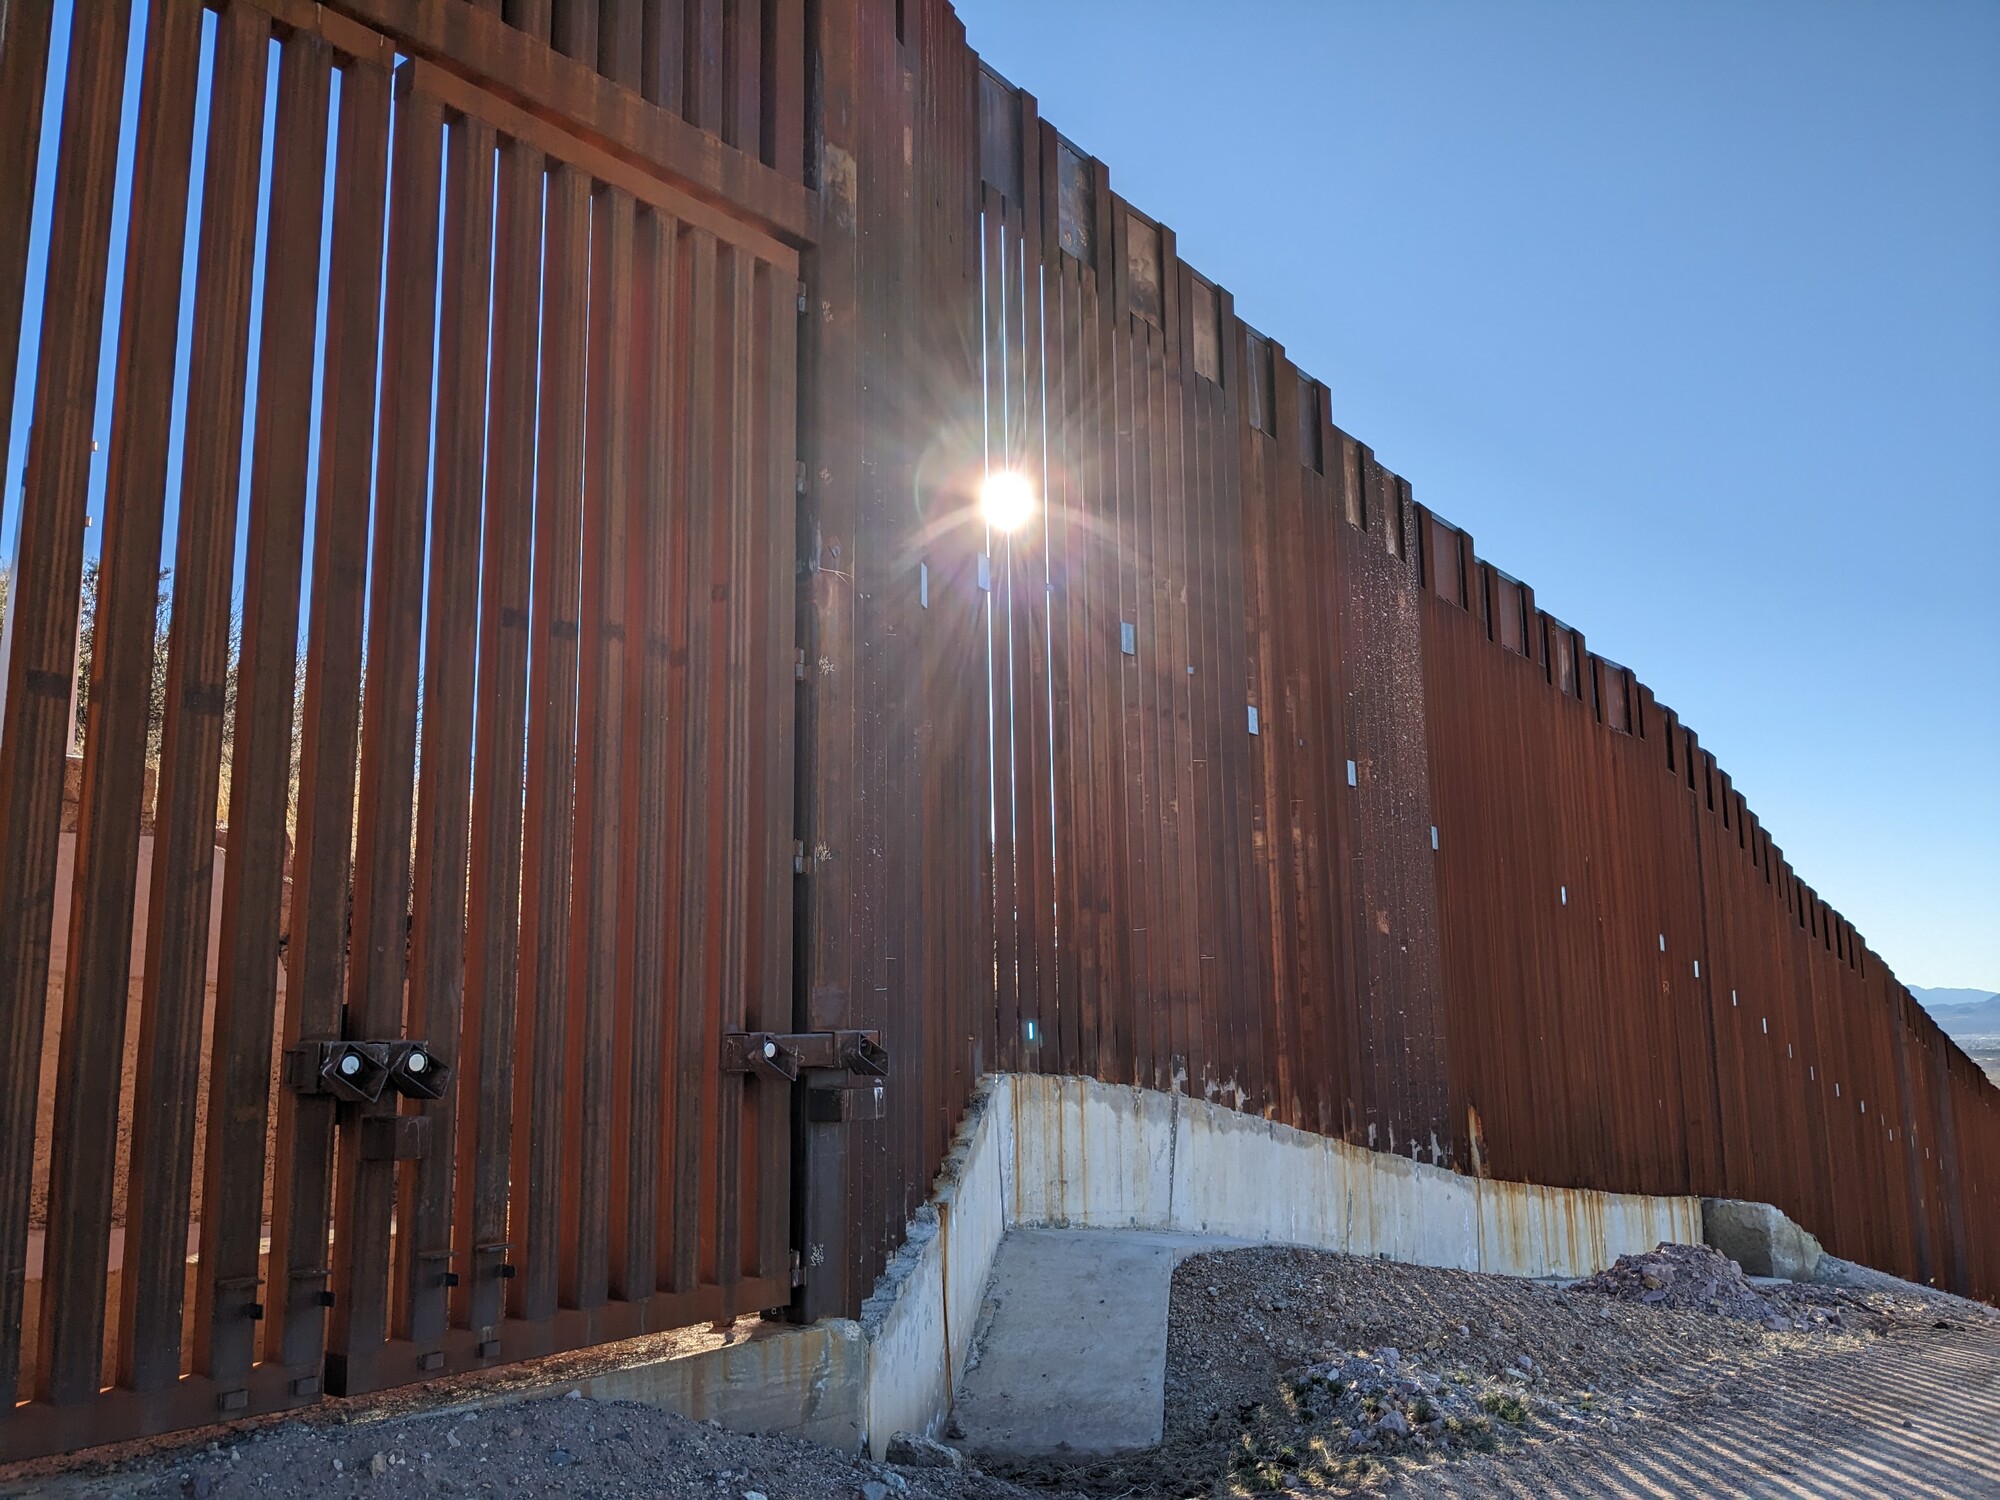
x=1686, y=1278
x=914, y=1451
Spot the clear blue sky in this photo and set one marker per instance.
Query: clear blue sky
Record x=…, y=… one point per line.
x=1689, y=311
x=16, y=453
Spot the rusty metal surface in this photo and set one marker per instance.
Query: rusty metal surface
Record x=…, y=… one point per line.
x=1280, y=795
x=1656, y=999
x=470, y=773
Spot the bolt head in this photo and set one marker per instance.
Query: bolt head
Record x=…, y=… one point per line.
x=418, y=1062
x=350, y=1065
x=770, y=1049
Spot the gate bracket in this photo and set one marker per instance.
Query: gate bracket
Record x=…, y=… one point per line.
x=781, y=1055
x=359, y=1072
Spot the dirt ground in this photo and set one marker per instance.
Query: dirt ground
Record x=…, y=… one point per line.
x=1310, y=1373
x=560, y=1445
x=1278, y=1360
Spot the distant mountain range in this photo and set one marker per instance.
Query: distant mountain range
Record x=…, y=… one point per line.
x=1962, y=1012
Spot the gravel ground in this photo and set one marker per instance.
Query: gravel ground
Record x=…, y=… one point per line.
x=562, y=1445
x=1313, y=1373
x=1323, y=1374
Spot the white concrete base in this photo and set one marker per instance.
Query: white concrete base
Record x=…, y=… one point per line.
x=804, y=1382
x=1071, y=1353
x=920, y=1320
x=1075, y=1153
x=1090, y=1155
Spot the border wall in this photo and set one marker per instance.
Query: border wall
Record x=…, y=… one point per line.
x=1243, y=774
x=506, y=473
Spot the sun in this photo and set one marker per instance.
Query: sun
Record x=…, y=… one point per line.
x=1006, y=500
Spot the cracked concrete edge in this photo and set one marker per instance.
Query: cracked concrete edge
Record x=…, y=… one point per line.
x=920, y=1319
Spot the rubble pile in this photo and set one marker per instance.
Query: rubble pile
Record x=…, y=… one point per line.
x=1381, y=1402
x=1687, y=1278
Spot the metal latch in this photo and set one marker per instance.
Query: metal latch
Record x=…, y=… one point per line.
x=359, y=1071
x=781, y=1055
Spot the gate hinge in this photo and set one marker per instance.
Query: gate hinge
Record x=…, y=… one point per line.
x=802, y=296
x=800, y=864
x=799, y=477
x=799, y=664
x=798, y=1269
x=781, y=1055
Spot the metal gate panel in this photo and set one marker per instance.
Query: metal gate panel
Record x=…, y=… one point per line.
x=475, y=655
x=652, y=832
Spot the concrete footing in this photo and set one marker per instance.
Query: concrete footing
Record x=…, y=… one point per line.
x=804, y=1382
x=1076, y=1153
x=1070, y=1357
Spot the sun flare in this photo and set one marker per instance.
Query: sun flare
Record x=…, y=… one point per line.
x=1006, y=500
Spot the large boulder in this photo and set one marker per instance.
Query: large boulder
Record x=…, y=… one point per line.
x=1759, y=1238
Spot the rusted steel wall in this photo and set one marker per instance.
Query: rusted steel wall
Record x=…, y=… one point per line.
x=1642, y=990
x=1239, y=772
x=476, y=655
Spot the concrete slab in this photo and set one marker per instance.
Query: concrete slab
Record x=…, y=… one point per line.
x=1070, y=1356
x=1759, y=1238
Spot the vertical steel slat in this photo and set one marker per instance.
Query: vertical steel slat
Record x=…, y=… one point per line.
x=667, y=590
x=425, y=1263
x=737, y=595
x=620, y=35
x=743, y=74
x=231, y=1290
x=487, y=1058
x=538, y=1175
x=995, y=623
x=378, y=967
x=831, y=448
x=662, y=68
x=574, y=29
x=599, y=979
x=640, y=1130
x=316, y=954
x=701, y=96
x=42, y=611
x=769, y=1003
x=698, y=501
